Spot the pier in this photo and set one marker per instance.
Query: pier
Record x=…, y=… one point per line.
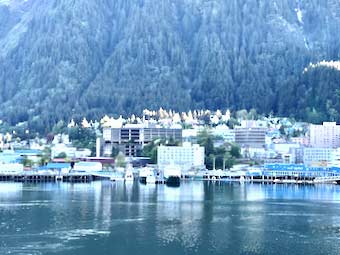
x=48, y=177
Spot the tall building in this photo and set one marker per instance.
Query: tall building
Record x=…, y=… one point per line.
x=187, y=156
x=130, y=139
x=325, y=136
x=250, y=137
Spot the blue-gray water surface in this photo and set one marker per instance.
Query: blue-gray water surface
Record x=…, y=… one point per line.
x=195, y=218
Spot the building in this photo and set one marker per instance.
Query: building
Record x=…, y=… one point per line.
x=223, y=131
x=297, y=155
x=60, y=148
x=190, y=135
x=285, y=171
x=130, y=139
x=87, y=166
x=56, y=167
x=336, y=158
x=251, y=137
x=325, y=136
x=187, y=156
x=10, y=156
x=253, y=124
x=11, y=168
x=70, y=151
x=317, y=156
x=284, y=148
x=302, y=140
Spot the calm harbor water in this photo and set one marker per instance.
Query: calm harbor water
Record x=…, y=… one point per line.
x=195, y=218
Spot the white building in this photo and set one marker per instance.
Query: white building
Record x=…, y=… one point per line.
x=11, y=168
x=284, y=148
x=318, y=156
x=187, y=156
x=62, y=148
x=61, y=138
x=189, y=134
x=253, y=124
x=88, y=167
x=336, y=158
x=225, y=132
x=325, y=136
x=82, y=153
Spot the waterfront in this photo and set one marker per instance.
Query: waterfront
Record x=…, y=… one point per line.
x=195, y=218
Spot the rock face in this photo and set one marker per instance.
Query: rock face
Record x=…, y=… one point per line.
x=65, y=58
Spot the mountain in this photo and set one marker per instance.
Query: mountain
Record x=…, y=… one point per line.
x=62, y=59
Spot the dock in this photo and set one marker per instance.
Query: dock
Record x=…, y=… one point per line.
x=52, y=177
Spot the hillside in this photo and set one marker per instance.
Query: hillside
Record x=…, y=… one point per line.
x=64, y=58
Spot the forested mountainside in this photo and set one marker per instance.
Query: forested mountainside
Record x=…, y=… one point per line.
x=73, y=58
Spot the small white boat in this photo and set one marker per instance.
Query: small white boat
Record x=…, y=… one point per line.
x=147, y=175
x=289, y=181
x=129, y=173
x=151, y=179
x=117, y=177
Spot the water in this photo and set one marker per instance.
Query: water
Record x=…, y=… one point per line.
x=195, y=218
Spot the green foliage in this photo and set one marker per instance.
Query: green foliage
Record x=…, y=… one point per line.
x=120, y=160
x=218, y=157
x=75, y=59
x=27, y=162
x=205, y=139
x=83, y=137
x=235, y=151
x=115, y=152
x=232, y=122
x=150, y=150
x=60, y=128
x=45, y=157
x=62, y=155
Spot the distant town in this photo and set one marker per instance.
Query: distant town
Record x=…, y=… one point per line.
x=199, y=144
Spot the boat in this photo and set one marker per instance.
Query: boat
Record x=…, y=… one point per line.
x=116, y=178
x=128, y=177
x=172, y=175
x=151, y=178
x=147, y=175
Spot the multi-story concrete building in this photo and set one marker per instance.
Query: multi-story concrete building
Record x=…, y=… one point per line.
x=336, y=158
x=325, y=136
x=223, y=131
x=250, y=137
x=302, y=140
x=317, y=156
x=187, y=156
x=130, y=139
x=297, y=155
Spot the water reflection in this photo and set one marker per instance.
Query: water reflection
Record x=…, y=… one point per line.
x=195, y=218
x=179, y=211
